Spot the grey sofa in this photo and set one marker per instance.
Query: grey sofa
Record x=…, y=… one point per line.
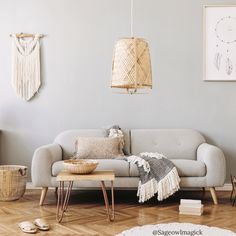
x=199, y=164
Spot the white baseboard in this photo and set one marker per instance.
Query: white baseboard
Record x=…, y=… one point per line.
x=29, y=185
x=226, y=187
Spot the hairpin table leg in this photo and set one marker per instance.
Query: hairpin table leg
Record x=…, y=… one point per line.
x=62, y=203
x=111, y=216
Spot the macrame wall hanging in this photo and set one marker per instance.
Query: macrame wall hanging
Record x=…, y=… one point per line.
x=26, y=65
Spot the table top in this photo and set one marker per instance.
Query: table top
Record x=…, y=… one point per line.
x=95, y=176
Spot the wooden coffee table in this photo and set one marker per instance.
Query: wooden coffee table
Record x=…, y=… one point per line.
x=101, y=176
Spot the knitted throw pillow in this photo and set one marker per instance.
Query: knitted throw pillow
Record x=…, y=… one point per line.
x=98, y=148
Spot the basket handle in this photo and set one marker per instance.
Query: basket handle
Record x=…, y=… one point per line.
x=23, y=171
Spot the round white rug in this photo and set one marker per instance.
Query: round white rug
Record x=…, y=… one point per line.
x=173, y=229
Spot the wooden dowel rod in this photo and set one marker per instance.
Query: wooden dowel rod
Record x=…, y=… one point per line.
x=26, y=35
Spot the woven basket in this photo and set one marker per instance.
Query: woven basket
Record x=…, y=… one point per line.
x=80, y=166
x=12, y=182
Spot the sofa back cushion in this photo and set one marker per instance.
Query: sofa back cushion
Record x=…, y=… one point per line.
x=173, y=143
x=68, y=138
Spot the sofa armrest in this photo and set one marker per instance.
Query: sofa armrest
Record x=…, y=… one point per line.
x=41, y=168
x=214, y=160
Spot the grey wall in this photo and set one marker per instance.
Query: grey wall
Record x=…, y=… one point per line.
x=76, y=62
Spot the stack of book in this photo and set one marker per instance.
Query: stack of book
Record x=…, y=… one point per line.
x=190, y=207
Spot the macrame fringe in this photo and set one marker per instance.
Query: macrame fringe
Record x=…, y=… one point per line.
x=165, y=187
x=26, y=68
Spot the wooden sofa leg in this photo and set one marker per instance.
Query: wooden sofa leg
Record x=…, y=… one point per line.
x=213, y=195
x=43, y=195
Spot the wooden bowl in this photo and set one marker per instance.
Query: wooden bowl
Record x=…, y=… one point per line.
x=80, y=166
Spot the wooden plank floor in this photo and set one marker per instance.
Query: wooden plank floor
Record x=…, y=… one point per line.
x=86, y=213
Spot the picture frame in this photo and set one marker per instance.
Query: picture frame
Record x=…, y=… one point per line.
x=219, y=41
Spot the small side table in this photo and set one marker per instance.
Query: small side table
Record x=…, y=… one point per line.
x=233, y=192
x=63, y=199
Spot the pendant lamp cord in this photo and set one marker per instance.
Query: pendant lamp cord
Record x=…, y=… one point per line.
x=132, y=91
x=131, y=17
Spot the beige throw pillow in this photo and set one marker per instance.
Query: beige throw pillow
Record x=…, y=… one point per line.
x=98, y=148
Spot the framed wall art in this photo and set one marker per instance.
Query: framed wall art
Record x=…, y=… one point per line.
x=220, y=43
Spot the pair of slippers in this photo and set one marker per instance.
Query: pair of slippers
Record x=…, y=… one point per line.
x=31, y=228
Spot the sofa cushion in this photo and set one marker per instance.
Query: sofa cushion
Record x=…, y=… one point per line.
x=120, y=167
x=186, y=168
x=173, y=143
x=98, y=148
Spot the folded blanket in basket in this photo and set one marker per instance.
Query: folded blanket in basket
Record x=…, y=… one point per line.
x=157, y=175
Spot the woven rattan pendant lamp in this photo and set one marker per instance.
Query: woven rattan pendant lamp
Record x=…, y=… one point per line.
x=131, y=65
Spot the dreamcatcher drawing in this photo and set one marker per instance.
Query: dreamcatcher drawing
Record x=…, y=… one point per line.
x=225, y=31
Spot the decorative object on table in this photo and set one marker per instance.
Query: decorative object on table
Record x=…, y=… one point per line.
x=26, y=65
x=190, y=207
x=98, y=148
x=233, y=192
x=179, y=228
x=157, y=175
x=80, y=166
x=131, y=64
x=12, y=182
x=101, y=176
x=220, y=43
